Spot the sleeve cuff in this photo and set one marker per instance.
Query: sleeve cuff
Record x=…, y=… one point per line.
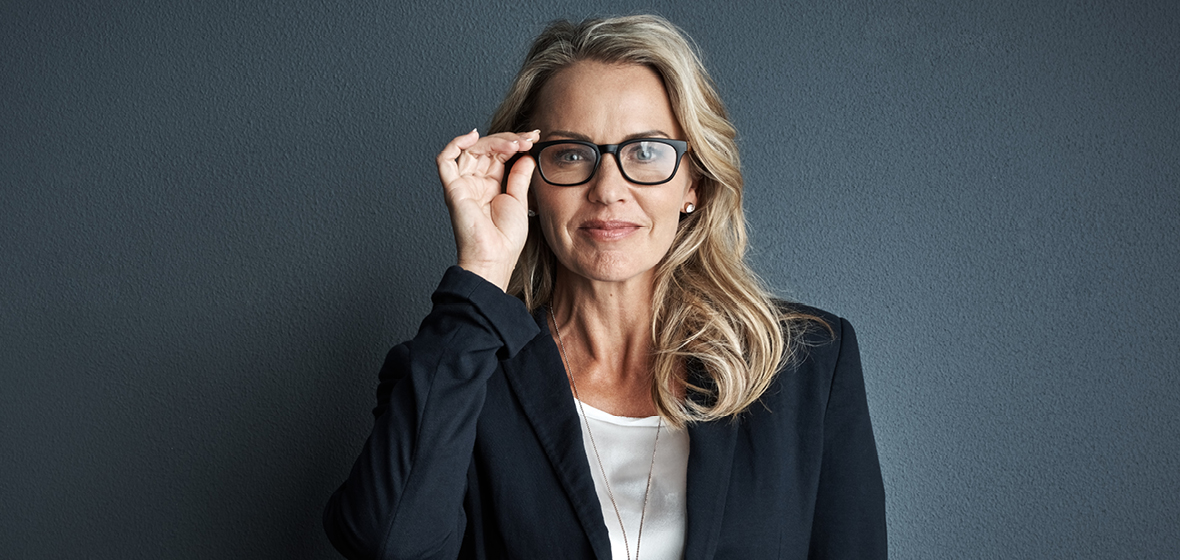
x=506, y=314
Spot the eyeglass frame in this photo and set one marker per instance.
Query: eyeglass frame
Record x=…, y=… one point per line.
x=681, y=147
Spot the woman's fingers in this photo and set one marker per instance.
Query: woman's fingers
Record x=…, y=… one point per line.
x=482, y=157
x=501, y=146
x=448, y=168
x=519, y=178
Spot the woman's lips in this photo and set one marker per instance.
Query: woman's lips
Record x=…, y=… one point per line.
x=608, y=230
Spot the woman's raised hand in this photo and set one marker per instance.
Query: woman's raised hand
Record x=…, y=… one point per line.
x=490, y=225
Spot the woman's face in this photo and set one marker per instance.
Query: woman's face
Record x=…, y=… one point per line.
x=609, y=229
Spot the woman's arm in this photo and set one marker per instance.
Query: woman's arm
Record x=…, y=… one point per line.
x=403, y=498
x=404, y=495
x=849, y=518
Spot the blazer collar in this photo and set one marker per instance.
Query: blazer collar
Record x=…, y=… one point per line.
x=538, y=378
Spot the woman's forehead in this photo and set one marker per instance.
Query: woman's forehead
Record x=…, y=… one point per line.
x=605, y=102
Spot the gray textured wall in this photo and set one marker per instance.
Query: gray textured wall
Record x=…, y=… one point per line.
x=216, y=217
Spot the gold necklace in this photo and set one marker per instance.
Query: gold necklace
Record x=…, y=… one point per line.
x=651, y=469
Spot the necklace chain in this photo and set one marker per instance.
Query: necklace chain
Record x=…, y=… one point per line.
x=594, y=446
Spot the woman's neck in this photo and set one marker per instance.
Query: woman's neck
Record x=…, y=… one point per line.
x=605, y=329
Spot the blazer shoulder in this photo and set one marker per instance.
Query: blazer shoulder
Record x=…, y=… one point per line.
x=811, y=327
x=823, y=356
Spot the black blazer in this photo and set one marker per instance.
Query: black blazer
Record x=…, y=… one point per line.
x=476, y=452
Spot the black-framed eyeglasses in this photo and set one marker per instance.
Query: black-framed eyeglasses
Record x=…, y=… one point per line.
x=643, y=161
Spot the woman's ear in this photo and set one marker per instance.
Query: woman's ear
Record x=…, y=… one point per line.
x=532, y=201
x=690, y=197
x=694, y=178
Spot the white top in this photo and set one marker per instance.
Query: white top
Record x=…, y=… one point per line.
x=625, y=446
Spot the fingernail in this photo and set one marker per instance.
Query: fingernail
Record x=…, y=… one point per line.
x=474, y=130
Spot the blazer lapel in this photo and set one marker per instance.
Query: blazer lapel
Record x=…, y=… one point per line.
x=710, y=460
x=537, y=377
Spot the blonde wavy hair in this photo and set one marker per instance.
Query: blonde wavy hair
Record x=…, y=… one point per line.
x=711, y=314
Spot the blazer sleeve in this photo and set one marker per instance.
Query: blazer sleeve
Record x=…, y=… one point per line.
x=849, y=518
x=404, y=495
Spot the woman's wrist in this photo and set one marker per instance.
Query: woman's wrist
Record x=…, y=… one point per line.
x=494, y=273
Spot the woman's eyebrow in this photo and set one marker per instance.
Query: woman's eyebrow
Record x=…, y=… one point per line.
x=567, y=134
x=647, y=134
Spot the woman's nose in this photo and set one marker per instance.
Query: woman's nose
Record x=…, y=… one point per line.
x=609, y=185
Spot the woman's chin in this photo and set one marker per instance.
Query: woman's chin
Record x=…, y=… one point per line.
x=609, y=268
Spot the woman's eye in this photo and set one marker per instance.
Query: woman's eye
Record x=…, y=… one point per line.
x=570, y=156
x=644, y=152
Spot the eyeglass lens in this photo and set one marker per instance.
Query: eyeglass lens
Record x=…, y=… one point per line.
x=571, y=163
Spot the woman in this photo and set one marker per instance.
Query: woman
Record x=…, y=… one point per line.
x=601, y=375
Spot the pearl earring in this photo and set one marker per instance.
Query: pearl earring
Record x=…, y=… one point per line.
x=688, y=209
